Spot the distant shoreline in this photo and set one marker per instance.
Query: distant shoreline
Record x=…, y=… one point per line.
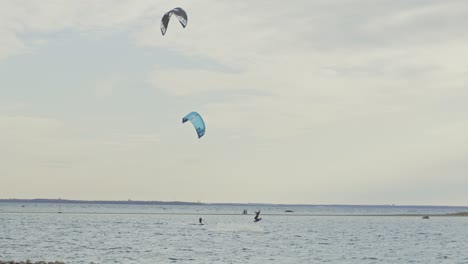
x=462, y=210
x=132, y=202
x=66, y=201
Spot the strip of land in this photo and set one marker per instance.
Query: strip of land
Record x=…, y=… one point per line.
x=459, y=214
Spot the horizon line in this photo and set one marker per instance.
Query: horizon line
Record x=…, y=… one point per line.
x=174, y=202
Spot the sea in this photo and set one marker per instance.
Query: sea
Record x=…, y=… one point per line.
x=129, y=233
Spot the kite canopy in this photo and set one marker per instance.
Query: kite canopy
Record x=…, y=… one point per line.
x=179, y=13
x=197, y=123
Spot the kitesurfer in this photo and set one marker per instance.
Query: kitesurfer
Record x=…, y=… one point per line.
x=256, y=218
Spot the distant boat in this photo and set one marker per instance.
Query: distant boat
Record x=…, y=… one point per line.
x=289, y=211
x=425, y=217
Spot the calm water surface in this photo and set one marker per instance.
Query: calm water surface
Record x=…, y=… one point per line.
x=171, y=234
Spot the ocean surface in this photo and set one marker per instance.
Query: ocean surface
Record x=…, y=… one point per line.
x=85, y=233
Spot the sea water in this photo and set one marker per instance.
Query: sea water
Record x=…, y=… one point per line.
x=84, y=233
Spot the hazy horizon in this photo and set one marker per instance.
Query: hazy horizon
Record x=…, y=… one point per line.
x=316, y=102
x=230, y=202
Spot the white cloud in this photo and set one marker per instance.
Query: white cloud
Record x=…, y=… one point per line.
x=21, y=17
x=58, y=159
x=187, y=82
x=328, y=93
x=357, y=94
x=106, y=87
x=11, y=44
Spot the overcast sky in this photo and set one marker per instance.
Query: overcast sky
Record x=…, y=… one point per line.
x=311, y=101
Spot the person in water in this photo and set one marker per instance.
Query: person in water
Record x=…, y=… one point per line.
x=200, y=220
x=256, y=218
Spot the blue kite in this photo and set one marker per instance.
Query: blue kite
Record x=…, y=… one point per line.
x=197, y=122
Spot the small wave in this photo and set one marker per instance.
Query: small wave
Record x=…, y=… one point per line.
x=369, y=258
x=241, y=228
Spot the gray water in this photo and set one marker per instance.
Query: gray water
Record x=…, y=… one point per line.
x=171, y=234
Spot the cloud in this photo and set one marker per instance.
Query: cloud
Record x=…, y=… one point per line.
x=445, y=18
x=327, y=93
x=106, y=87
x=11, y=44
x=352, y=98
x=186, y=82
x=18, y=18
